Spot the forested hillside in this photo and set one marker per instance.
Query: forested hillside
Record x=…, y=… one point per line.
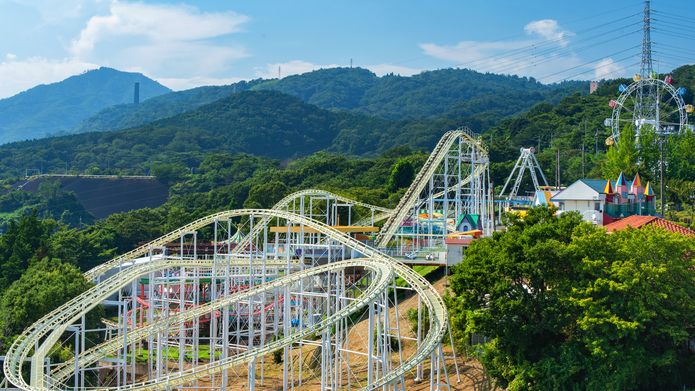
x=428, y=94
x=276, y=125
x=59, y=106
x=125, y=116
x=263, y=123
x=446, y=93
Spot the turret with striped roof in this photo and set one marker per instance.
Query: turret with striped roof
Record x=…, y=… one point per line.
x=621, y=188
x=648, y=192
x=637, y=188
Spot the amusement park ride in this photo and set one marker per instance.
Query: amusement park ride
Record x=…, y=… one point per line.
x=649, y=104
x=299, y=287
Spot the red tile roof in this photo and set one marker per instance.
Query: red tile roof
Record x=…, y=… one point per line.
x=641, y=221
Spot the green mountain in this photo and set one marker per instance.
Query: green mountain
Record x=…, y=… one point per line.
x=446, y=93
x=127, y=116
x=428, y=94
x=50, y=108
x=262, y=123
x=279, y=126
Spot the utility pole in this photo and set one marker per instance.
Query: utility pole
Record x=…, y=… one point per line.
x=557, y=168
x=539, y=143
x=597, y=140
x=583, y=161
x=661, y=147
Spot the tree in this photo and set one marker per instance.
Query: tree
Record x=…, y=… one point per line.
x=84, y=249
x=23, y=242
x=401, y=176
x=46, y=285
x=623, y=157
x=266, y=195
x=572, y=308
x=168, y=174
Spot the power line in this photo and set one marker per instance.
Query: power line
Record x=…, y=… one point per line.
x=571, y=51
x=676, y=35
x=519, y=35
x=675, y=48
x=542, y=44
x=569, y=45
x=674, y=16
x=591, y=62
x=593, y=70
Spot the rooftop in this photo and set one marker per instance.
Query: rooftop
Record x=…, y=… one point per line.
x=641, y=221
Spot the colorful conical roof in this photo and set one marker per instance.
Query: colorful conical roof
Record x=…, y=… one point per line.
x=637, y=182
x=237, y=238
x=608, y=189
x=648, y=190
x=621, y=181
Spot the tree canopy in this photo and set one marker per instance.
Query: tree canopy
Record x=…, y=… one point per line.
x=571, y=307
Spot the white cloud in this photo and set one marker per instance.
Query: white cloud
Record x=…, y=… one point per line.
x=168, y=42
x=161, y=24
x=297, y=67
x=520, y=57
x=605, y=68
x=17, y=76
x=471, y=51
x=184, y=84
x=198, y=58
x=547, y=28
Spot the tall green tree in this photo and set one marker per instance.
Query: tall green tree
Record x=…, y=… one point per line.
x=401, y=176
x=46, y=285
x=623, y=156
x=23, y=242
x=572, y=308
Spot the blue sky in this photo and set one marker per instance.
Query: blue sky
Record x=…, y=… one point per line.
x=188, y=44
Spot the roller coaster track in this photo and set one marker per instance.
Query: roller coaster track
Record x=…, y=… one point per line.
x=411, y=196
x=404, y=205
x=386, y=215
x=46, y=331
x=285, y=202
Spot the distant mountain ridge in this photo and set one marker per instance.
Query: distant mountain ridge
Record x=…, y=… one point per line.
x=50, y=108
x=262, y=123
x=446, y=93
x=126, y=116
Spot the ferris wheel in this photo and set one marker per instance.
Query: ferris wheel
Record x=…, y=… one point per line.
x=649, y=103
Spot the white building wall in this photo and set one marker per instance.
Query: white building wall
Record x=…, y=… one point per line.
x=454, y=254
x=586, y=209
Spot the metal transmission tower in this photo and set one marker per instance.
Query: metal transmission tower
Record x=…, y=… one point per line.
x=526, y=160
x=646, y=65
x=648, y=100
x=645, y=105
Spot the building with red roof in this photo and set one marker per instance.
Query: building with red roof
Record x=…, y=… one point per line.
x=602, y=202
x=642, y=221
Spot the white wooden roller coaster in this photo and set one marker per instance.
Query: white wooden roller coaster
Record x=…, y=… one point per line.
x=299, y=288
